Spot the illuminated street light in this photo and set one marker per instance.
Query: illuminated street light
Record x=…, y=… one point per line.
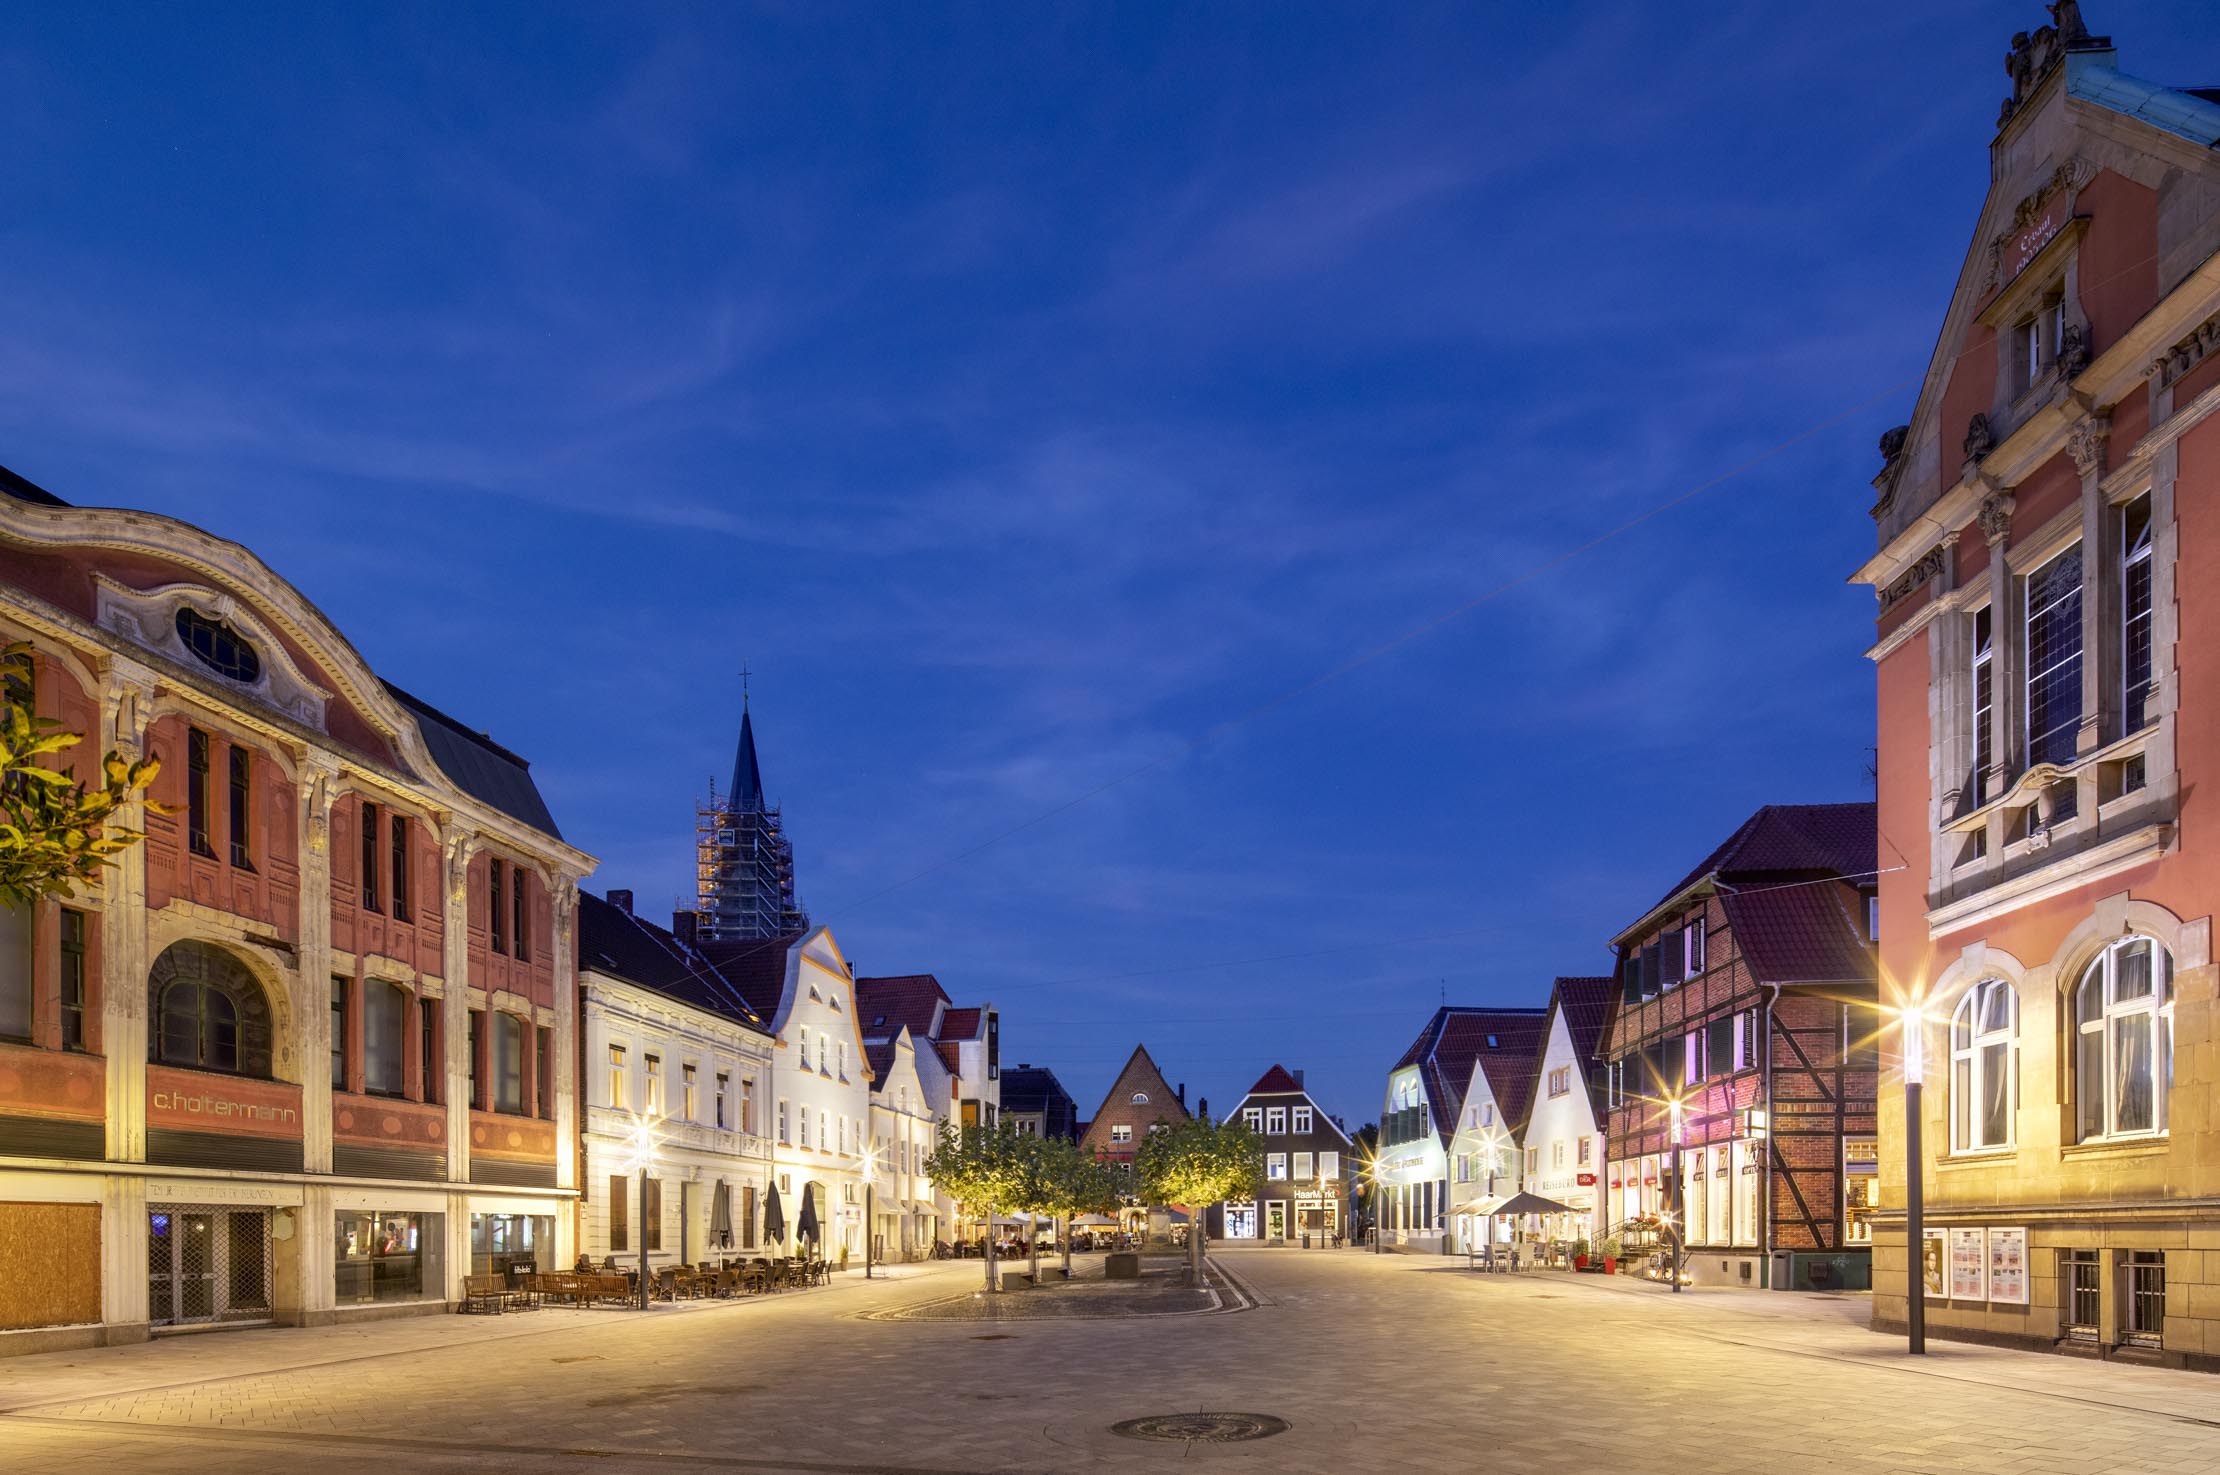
x=1675, y=1186
x=641, y=1157
x=1915, y=1198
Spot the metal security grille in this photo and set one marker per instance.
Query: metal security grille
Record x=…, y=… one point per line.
x=2146, y=1298
x=207, y=1263
x=2084, y=1295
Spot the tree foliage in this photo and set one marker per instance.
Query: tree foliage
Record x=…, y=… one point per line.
x=1199, y=1163
x=56, y=832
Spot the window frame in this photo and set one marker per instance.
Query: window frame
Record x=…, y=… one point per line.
x=394, y=1000
x=1972, y=1055
x=2138, y=573
x=1982, y=694
x=2067, y=608
x=2107, y=1025
x=366, y=891
x=73, y=981
x=21, y=980
x=1301, y=1121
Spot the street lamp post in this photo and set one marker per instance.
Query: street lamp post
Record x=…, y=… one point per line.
x=1377, y=1207
x=1679, y=1194
x=643, y=1157
x=1915, y=1206
x=870, y=1181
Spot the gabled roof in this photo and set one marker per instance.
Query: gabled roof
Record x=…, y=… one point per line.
x=1586, y=1005
x=1799, y=935
x=880, y=1058
x=1451, y=1045
x=1028, y=1088
x=1783, y=842
x=612, y=940
x=1279, y=1081
x=961, y=1024
x=755, y=967
x=1275, y=1082
x=1508, y=1051
x=478, y=765
x=951, y=1055
x=885, y=1006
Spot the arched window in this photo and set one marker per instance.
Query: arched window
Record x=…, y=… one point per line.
x=1140, y=1098
x=2123, y=1014
x=1984, y=1067
x=209, y=1012
x=384, y=1038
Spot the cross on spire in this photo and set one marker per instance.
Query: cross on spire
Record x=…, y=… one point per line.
x=744, y=686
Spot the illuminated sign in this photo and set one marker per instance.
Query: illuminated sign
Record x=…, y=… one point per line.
x=218, y=1106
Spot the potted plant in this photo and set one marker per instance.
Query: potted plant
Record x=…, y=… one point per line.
x=1580, y=1254
x=1611, y=1249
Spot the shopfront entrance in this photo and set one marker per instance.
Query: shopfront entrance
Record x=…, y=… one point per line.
x=1317, y=1217
x=1275, y=1218
x=207, y=1264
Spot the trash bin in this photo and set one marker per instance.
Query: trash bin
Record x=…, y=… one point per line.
x=1306, y=1239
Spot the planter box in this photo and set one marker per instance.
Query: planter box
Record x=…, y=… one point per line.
x=1125, y=1265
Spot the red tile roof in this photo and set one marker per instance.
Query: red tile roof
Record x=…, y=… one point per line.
x=961, y=1024
x=1800, y=934
x=1781, y=841
x=1454, y=1040
x=1275, y=1082
x=950, y=1056
x=885, y=1005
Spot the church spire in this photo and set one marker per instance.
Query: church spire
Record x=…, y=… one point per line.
x=747, y=779
x=744, y=865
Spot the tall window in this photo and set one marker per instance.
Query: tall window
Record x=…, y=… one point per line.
x=520, y=929
x=1984, y=1067
x=618, y=1205
x=434, y=1079
x=508, y=1064
x=494, y=926
x=338, y=1033
x=73, y=979
x=654, y=1103
x=2124, y=1040
x=1984, y=699
x=801, y=1117
x=616, y=1077
x=546, y=1071
x=399, y=872
x=1302, y=1121
x=1275, y=1121
x=1692, y=946
x=687, y=1103
x=2054, y=659
x=782, y=1120
x=2135, y=613
x=207, y=1012
x=384, y=1039
x=723, y=1081
x=242, y=770
x=196, y=793
x=370, y=858
x=477, y=1054
x=17, y=1013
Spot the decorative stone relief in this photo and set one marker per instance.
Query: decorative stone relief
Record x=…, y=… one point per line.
x=2035, y=53
x=1980, y=439
x=149, y=619
x=1931, y=563
x=2187, y=354
x=2073, y=351
x=2086, y=444
x=2016, y=237
x=1892, y=466
x=1995, y=517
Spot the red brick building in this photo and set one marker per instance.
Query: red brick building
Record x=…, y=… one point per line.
x=1745, y=1029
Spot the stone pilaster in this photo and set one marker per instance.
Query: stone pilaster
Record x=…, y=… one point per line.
x=126, y=707
x=319, y=790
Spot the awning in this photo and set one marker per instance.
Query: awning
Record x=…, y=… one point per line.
x=1529, y=1203
x=1095, y=1221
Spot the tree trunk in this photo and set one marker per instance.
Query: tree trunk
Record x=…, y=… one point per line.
x=1194, y=1242
x=992, y=1283
x=1067, y=1246
x=1033, y=1247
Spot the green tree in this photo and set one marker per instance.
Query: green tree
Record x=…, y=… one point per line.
x=985, y=1169
x=56, y=833
x=1074, y=1184
x=1197, y=1164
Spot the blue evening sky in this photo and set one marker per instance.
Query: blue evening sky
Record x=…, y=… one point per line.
x=1024, y=391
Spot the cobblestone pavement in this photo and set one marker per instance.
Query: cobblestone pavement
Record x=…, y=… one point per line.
x=1375, y=1363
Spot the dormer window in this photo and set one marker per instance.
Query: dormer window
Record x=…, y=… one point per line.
x=1140, y=1098
x=217, y=646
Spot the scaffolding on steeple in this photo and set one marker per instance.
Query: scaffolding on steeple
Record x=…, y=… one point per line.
x=743, y=862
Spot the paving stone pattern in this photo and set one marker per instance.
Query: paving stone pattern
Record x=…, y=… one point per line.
x=1378, y=1363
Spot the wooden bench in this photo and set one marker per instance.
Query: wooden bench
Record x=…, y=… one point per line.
x=485, y=1293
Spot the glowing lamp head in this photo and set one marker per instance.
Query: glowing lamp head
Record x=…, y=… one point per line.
x=1915, y=1046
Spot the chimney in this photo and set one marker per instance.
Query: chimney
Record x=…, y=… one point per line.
x=1202, y=1107
x=1298, y=1080
x=1181, y=1093
x=683, y=925
x=621, y=900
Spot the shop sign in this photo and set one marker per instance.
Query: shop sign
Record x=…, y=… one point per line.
x=1588, y=1180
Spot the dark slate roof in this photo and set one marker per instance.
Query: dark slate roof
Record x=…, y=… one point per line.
x=1454, y=1039
x=755, y=967
x=898, y=1000
x=746, y=796
x=611, y=940
x=23, y=489
x=1275, y=1082
x=479, y=766
x=1027, y=1088
x=1799, y=934
x=881, y=1060
x=1587, y=1005
x=1782, y=841
x=1512, y=1063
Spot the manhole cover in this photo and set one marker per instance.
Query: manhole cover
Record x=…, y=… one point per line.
x=1201, y=1428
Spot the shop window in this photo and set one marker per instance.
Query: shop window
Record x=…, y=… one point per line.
x=500, y=1243
x=1984, y=1067
x=17, y=1009
x=209, y=1013
x=384, y=1039
x=74, y=979
x=387, y=1257
x=2124, y=1041
x=2054, y=659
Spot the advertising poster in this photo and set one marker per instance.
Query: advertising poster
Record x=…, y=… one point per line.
x=1931, y=1264
x=1969, y=1265
x=2008, y=1266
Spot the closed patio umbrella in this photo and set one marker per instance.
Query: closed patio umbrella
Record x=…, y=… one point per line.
x=805, y=1225
x=720, y=1217
x=774, y=1217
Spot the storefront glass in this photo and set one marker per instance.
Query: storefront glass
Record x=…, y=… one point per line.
x=388, y=1257
x=1241, y=1221
x=500, y=1243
